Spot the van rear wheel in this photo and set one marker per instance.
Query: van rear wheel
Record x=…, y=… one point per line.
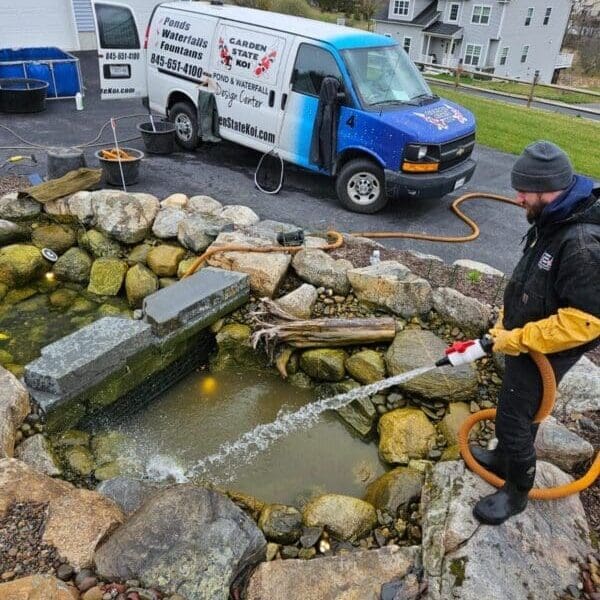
x=183, y=116
x=360, y=186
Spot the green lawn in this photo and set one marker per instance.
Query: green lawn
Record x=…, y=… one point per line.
x=510, y=128
x=523, y=89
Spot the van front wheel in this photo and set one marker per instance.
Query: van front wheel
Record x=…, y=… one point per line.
x=183, y=116
x=360, y=186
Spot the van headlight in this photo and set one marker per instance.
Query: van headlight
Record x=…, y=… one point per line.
x=416, y=152
x=421, y=158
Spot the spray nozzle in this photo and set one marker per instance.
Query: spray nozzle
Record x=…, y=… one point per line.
x=462, y=353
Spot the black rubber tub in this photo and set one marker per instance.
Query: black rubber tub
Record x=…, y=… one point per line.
x=159, y=139
x=112, y=171
x=23, y=95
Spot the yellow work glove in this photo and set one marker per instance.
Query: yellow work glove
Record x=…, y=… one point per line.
x=508, y=342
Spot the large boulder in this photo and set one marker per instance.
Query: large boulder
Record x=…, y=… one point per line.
x=177, y=200
x=579, y=389
x=198, y=232
x=532, y=555
x=391, y=285
x=366, y=366
x=98, y=244
x=239, y=215
x=56, y=237
x=78, y=519
x=127, y=493
x=266, y=270
x=125, y=217
x=167, y=221
x=556, y=444
x=139, y=283
x=350, y=576
x=20, y=263
x=345, y=517
x=74, y=265
x=163, y=260
x=14, y=407
x=12, y=207
x=38, y=587
x=106, y=276
x=300, y=302
x=405, y=433
x=395, y=490
x=185, y=538
x=318, y=268
x=204, y=205
x=12, y=232
x=472, y=316
x=36, y=452
x=414, y=348
x=324, y=364
x=81, y=206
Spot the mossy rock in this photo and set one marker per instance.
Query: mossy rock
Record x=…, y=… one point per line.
x=56, y=237
x=324, y=364
x=82, y=305
x=405, y=433
x=20, y=294
x=80, y=460
x=16, y=369
x=184, y=265
x=139, y=254
x=33, y=304
x=99, y=244
x=300, y=380
x=163, y=260
x=82, y=320
x=235, y=349
x=395, y=489
x=106, y=276
x=139, y=283
x=6, y=357
x=108, y=310
x=105, y=447
x=456, y=414
x=108, y=471
x=63, y=298
x=73, y=437
x=451, y=453
x=3, y=290
x=20, y=263
x=165, y=282
x=74, y=265
x=366, y=366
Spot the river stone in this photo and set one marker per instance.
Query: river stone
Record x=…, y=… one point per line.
x=58, y=207
x=35, y=451
x=80, y=460
x=164, y=259
x=177, y=201
x=474, y=265
x=106, y=446
x=366, y=366
x=127, y=217
x=20, y=263
x=472, y=316
x=357, y=575
x=74, y=265
x=266, y=271
x=395, y=490
x=167, y=221
x=579, y=390
x=391, y=285
x=106, y=276
x=198, y=232
x=63, y=298
x=73, y=437
x=184, y=526
x=77, y=518
x=128, y=493
x=14, y=407
x=38, y=587
x=280, y=523
x=184, y=265
x=139, y=254
x=239, y=215
x=324, y=364
x=109, y=470
x=98, y=244
x=455, y=416
x=556, y=444
x=534, y=554
x=80, y=206
x=204, y=205
x=318, y=268
x=12, y=232
x=413, y=348
x=139, y=283
x=360, y=415
x=19, y=295
x=12, y=207
x=299, y=302
x=345, y=517
x=405, y=433
x=56, y=237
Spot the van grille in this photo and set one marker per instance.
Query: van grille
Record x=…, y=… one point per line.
x=456, y=151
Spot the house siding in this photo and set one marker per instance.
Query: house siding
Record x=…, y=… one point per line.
x=399, y=31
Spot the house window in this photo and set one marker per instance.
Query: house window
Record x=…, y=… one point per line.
x=529, y=17
x=547, y=15
x=401, y=7
x=481, y=14
x=406, y=44
x=503, y=55
x=472, y=54
x=453, y=16
x=454, y=44
x=524, y=54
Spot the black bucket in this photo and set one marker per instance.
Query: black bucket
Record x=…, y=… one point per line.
x=23, y=95
x=159, y=139
x=112, y=171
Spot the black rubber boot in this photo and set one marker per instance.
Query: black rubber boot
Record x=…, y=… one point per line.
x=511, y=498
x=492, y=460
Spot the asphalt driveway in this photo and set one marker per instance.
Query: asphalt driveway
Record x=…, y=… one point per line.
x=225, y=171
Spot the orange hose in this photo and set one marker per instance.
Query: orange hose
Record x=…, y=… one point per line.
x=546, y=406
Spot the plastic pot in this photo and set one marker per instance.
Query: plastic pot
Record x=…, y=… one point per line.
x=159, y=139
x=112, y=171
x=23, y=95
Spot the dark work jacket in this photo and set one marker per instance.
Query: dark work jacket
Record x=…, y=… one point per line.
x=560, y=268
x=323, y=144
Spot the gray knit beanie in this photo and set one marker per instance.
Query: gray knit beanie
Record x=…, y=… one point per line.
x=543, y=167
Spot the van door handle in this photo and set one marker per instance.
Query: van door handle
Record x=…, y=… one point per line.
x=283, y=101
x=271, y=97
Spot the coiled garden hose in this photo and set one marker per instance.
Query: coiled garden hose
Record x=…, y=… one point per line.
x=545, y=409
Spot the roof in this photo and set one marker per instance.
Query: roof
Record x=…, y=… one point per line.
x=439, y=28
x=336, y=35
x=427, y=15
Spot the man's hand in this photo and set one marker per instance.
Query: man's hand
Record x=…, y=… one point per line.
x=508, y=342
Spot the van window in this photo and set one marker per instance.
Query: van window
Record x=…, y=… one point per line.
x=312, y=65
x=116, y=27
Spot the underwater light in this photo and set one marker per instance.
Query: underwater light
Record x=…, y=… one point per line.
x=208, y=385
x=50, y=276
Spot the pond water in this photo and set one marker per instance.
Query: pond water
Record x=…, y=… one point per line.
x=195, y=417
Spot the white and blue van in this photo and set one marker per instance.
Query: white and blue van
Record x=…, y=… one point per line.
x=331, y=99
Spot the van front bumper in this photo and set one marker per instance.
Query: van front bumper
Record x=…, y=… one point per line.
x=429, y=185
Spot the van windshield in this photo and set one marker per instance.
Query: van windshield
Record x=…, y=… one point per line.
x=386, y=75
